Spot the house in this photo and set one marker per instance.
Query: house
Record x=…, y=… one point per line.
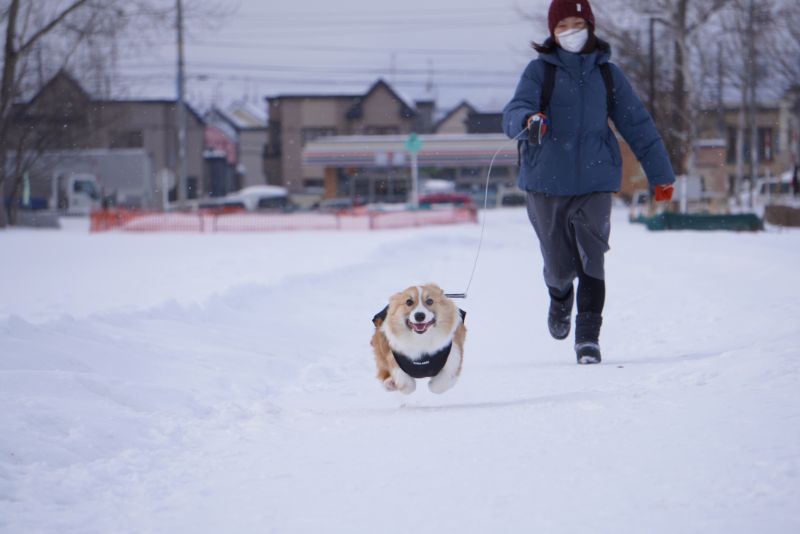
x=295, y=120
x=464, y=118
x=484, y=123
x=455, y=121
x=221, y=155
x=777, y=137
x=246, y=127
x=64, y=118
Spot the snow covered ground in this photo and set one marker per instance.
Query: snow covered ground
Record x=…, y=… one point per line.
x=224, y=383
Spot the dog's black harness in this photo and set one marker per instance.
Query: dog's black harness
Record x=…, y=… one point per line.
x=428, y=365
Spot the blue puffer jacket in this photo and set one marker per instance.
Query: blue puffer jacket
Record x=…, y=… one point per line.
x=580, y=153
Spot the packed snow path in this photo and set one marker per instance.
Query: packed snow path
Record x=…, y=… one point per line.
x=213, y=383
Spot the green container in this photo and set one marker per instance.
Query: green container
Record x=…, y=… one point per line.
x=744, y=222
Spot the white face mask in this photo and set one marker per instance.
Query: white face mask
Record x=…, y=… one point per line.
x=573, y=40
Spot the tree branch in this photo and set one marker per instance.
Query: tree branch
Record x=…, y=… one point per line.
x=50, y=25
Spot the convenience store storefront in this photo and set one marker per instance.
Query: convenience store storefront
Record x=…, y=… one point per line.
x=374, y=169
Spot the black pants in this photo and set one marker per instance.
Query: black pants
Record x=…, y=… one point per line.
x=573, y=236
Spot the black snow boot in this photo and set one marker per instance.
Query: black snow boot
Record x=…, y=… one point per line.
x=587, y=335
x=560, y=313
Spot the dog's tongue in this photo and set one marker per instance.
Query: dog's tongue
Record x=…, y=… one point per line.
x=419, y=327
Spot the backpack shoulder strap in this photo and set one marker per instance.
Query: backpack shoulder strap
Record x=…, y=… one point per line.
x=548, y=83
x=611, y=91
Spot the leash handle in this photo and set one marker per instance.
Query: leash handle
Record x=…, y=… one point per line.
x=456, y=295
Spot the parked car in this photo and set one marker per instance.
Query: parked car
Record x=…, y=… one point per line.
x=511, y=196
x=767, y=190
x=279, y=203
x=258, y=197
x=640, y=205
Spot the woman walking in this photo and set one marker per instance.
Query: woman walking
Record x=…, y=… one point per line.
x=571, y=163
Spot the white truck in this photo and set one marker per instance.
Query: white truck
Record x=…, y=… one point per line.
x=74, y=193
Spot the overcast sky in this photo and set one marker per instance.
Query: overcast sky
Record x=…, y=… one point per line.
x=448, y=50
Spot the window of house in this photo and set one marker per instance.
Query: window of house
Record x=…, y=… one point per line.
x=445, y=173
x=314, y=183
x=730, y=146
x=274, y=145
x=381, y=130
x=361, y=188
x=310, y=134
x=191, y=187
x=127, y=139
x=400, y=189
x=766, y=148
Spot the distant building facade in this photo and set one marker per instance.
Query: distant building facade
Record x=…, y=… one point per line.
x=777, y=137
x=455, y=121
x=296, y=120
x=377, y=168
x=246, y=127
x=66, y=118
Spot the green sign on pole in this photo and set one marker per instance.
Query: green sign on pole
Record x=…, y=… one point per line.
x=413, y=143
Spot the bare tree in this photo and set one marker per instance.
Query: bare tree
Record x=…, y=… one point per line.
x=19, y=43
x=682, y=21
x=787, y=67
x=787, y=45
x=47, y=36
x=749, y=27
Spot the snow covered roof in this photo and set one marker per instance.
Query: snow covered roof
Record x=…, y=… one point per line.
x=247, y=115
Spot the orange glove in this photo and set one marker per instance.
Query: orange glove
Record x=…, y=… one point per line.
x=664, y=192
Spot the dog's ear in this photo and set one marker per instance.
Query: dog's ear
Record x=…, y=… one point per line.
x=463, y=314
x=380, y=316
x=434, y=288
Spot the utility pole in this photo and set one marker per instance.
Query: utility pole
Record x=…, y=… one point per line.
x=181, y=113
x=752, y=101
x=722, y=131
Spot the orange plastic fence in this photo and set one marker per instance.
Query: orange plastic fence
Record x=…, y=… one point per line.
x=237, y=220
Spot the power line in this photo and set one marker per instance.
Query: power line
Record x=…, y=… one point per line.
x=394, y=28
x=394, y=21
x=321, y=82
x=327, y=69
x=336, y=49
x=384, y=14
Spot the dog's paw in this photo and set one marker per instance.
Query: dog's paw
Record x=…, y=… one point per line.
x=407, y=388
x=389, y=385
x=441, y=383
x=404, y=383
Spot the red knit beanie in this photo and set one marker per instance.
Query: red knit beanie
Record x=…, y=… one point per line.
x=561, y=9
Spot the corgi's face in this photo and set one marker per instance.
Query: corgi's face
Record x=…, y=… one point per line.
x=421, y=310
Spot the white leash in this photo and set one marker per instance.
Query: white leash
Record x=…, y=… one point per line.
x=483, y=224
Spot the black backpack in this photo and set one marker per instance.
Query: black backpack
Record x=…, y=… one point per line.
x=549, y=83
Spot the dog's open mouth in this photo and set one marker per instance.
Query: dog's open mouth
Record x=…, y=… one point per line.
x=420, y=328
